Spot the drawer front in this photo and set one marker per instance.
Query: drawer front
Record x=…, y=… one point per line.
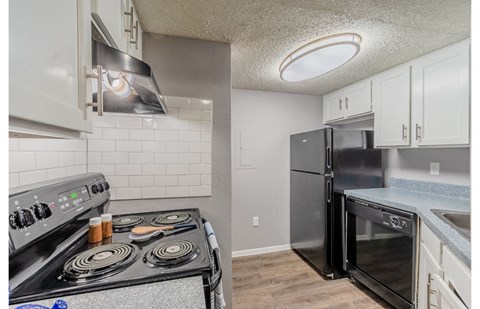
x=433, y=244
x=457, y=276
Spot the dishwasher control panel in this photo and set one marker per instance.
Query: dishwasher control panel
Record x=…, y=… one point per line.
x=397, y=222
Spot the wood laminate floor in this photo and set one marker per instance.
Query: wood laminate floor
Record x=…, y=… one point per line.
x=284, y=280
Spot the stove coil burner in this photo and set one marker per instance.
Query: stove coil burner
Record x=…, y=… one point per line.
x=100, y=261
x=172, y=218
x=126, y=222
x=171, y=253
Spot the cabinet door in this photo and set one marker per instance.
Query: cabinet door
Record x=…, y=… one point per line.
x=445, y=298
x=109, y=16
x=457, y=276
x=441, y=97
x=50, y=55
x=333, y=106
x=391, y=101
x=427, y=268
x=358, y=99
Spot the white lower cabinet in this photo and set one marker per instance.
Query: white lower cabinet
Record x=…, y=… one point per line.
x=443, y=281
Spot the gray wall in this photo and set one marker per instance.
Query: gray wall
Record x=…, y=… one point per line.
x=199, y=69
x=414, y=163
x=264, y=190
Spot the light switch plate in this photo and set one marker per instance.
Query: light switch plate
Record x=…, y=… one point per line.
x=255, y=222
x=434, y=168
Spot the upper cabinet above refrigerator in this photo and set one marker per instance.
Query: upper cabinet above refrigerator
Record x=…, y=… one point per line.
x=50, y=57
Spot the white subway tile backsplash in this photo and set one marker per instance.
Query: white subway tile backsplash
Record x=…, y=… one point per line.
x=129, y=122
x=76, y=145
x=166, y=181
x=32, y=144
x=13, y=144
x=101, y=145
x=177, y=169
x=154, y=192
x=200, y=125
x=104, y=121
x=204, y=169
x=206, y=179
x=172, y=113
x=178, y=124
x=189, y=114
x=200, y=191
x=140, y=181
x=189, y=158
x=80, y=158
x=66, y=158
x=148, y=146
x=141, y=135
x=106, y=169
x=166, y=157
x=97, y=133
x=47, y=160
x=163, y=135
x=59, y=172
x=178, y=102
x=177, y=191
x=114, y=157
x=154, y=123
x=116, y=134
x=201, y=104
x=13, y=180
x=206, y=158
x=129, y=146
x=128, y=193
x=21, y=161
x=128, y=169
x=118, y=181
x=94, y=157
x=153, y=169
x=177, y=147
x=206, y=115
x=76, y=170
x=141, y=157
x=30, y=177
x=189, y=180
x=206, y=137
x=189, y=136
x=200, y=147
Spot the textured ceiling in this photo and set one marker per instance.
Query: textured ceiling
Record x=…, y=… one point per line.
x=263, y=33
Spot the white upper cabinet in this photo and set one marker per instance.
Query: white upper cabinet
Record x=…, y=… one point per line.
x=441, y=97
x=50, y=56
x=350, y=102
x=109, y=16
x=391, y=98
x=333, y=106
x=358, y=99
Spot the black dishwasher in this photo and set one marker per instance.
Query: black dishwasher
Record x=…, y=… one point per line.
x=381, y=250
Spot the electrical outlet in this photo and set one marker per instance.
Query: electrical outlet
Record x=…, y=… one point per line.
x=434, y=168
x=255, y=222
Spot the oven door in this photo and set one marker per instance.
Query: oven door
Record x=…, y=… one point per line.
x=380, y=245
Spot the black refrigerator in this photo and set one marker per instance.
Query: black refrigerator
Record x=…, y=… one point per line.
x=324, y=163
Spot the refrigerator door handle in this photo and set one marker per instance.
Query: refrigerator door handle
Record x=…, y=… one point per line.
x=329, y=191
x=329, y=157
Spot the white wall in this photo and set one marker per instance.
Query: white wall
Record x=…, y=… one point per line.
x=264, y=191
x=155, y=156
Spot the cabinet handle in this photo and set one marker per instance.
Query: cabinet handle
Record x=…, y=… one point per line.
x=430, y=292
x=346, y=103
x=340, y=104
x=417, y=131
x=136, y=36
x=99, y=77
x=131, y=22
x=404, y=132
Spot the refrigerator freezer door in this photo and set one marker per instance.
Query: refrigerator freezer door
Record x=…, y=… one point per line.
x=310, y=152
x=308, y=217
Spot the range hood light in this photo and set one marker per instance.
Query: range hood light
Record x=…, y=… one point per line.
x=320, y=57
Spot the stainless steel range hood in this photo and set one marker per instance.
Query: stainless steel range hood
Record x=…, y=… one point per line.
x=129, y=85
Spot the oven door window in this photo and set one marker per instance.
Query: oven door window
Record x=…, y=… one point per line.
x=383, y=253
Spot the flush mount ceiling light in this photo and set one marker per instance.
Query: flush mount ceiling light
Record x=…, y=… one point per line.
x=320, y=56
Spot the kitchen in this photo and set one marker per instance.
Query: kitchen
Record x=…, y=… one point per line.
x=195, y=116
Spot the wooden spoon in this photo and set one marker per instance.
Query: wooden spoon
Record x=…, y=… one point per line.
x=149, y=229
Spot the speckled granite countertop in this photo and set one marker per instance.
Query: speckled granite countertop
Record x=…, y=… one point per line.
x=171, y=294
x=420, y=197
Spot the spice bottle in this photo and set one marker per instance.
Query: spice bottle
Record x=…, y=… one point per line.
x=95, y=230
x=107, y=229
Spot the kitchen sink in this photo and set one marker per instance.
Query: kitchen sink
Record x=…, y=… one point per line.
x=458, y=220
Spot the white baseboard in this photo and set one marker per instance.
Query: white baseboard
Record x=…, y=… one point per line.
x=261, y=250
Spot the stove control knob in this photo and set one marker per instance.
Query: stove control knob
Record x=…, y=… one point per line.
x=100, y=187
x=106, y=185
x=21, y=218
x=94, y=189
x=41, y=211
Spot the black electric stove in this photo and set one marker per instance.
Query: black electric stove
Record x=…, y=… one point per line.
x=61, y=262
